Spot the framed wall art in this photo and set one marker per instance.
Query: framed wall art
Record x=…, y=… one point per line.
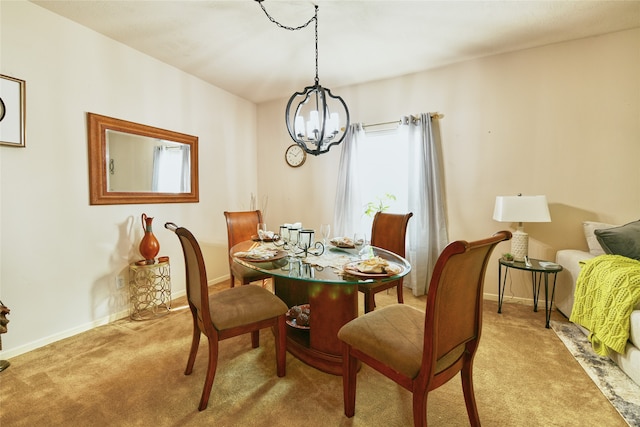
x=12, y=111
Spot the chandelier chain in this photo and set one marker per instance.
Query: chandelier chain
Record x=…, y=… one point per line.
x=272, y=19
x=300, y=27
x=316, y=19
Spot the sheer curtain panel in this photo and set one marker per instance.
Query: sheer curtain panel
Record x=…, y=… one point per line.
x=348, y=206
x=427, y=236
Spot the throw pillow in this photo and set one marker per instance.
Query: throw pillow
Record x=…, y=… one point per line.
x=592, y=241
x=623, y=240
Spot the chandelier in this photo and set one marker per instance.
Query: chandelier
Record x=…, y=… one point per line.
x=316, y=119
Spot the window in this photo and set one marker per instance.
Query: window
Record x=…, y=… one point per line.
x=383, y=172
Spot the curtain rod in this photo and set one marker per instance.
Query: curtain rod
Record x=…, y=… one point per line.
x=399, y=121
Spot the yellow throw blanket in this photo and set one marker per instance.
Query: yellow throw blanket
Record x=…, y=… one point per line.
x=607, y=289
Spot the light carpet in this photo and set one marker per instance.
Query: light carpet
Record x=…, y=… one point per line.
x=130, y=373
x=622, y=392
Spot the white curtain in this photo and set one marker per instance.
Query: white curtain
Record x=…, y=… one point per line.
x=427, y=236
x=185, y=178
x=427, y=231
x=348, y=206
x=157, y=168
x=171, y=172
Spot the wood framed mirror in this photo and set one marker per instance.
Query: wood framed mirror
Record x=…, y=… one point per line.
x=131, y=163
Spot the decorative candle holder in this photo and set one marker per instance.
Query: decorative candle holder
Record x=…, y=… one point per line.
x=299, y=242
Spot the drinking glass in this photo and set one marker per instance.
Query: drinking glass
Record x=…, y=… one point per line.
x=262, y=231
x=284, y=233
x=294, y=234
x=305, y=239
x=358, y=240
x=325, y=232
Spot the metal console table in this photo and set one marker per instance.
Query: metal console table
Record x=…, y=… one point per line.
x=149, y=290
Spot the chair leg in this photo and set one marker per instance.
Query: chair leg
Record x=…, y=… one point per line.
x=400, y=293
x=469, y=396
x=369, y=301
x=195, y=341
x=420, y=408
x=281, y=346
x=349, y=371
x=211, y=373
x=255, y=339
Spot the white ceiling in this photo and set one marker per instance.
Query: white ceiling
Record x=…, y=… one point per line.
x=233, y=45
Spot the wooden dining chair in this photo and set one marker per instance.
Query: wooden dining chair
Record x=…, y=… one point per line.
x=422, y=351
x=387, y=232
x=227, y=313
x=241, y=226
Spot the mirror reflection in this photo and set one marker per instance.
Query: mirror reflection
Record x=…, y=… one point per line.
x=142, y=164
x=134, y=163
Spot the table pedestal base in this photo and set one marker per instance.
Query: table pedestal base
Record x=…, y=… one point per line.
x=331, y=306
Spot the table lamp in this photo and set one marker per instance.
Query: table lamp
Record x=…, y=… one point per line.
x=521, y=209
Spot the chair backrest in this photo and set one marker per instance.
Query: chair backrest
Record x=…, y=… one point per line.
x=241, y=226
x=389, y=231
x=454, y=300
x=196, y=273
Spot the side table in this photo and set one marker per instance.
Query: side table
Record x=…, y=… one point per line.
x=149, y=290
x=538, y=269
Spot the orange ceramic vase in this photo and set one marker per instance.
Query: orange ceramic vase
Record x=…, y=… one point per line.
x=149, y=246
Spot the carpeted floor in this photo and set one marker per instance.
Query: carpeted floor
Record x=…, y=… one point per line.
x=621, y=391
x=130, y=373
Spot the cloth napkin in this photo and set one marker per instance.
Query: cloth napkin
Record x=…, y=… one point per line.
x=265, y=234
x=297, y=225
x=258, y=253
x=331, y=259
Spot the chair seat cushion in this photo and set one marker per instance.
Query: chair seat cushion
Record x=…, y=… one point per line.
x=242, y=305
x=394, y=335
x=241, y=272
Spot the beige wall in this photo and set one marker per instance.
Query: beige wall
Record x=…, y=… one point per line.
x=59, y=256
x=561, y=120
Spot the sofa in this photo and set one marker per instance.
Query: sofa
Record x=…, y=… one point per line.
x=603, y=239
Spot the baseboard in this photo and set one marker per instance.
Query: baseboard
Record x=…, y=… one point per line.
x=510, y=299
x=174, y=295
x=8, y=354
x=62, y=335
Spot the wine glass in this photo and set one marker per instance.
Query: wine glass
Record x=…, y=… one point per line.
x=358, y=240
x=262, y=231
x=362, y=245
x=325, y=231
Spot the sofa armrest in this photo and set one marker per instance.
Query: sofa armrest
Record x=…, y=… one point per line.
x=569, y=259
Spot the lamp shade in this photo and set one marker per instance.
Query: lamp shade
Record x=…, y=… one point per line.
x=521, y=209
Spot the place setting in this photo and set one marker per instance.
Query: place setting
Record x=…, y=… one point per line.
x=353, y=245
x=259, y=251
x=372, y=268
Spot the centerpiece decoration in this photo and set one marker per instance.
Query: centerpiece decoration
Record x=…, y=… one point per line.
x=298, y=241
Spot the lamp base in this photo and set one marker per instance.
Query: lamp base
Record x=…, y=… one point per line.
x=519, y=245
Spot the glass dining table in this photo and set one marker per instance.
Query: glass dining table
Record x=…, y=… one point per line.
x=325, y=286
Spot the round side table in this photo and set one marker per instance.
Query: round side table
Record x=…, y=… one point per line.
x=538, y=268
x=149, y=290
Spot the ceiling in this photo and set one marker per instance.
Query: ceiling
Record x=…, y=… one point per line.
x=233, y=45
